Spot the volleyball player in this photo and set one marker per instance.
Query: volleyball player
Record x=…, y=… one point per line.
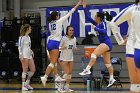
x=55, y=37
x=26, y=56
x=105, y=46
x=133, y=45
x=67, y=46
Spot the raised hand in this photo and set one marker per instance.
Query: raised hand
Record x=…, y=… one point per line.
x=84, y=4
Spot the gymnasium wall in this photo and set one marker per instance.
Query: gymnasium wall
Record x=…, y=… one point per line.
x=29, y=4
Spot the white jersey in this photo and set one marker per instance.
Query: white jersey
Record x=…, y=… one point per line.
x=120, y=18
x=56, y=27
x=133, y=14
x=67, y=54
x=24, y=47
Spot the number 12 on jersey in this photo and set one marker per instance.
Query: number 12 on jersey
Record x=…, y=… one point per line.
x=53, y=27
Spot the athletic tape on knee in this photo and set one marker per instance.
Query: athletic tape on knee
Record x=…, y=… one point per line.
x=108, y=65
x=55, y=64
x=68, y=76
x=65, y=76
x=24, y=75
x=93, y=56
x=30, y=74
x=51, y=65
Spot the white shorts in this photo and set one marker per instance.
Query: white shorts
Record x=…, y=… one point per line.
x=130, y=48
x=27, y=54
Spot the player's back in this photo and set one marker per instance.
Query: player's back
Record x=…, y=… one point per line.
x=56, y=30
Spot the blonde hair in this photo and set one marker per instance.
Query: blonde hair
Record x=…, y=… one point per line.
x=24, y=29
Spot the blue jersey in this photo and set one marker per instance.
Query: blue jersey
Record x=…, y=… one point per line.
x=101, y=30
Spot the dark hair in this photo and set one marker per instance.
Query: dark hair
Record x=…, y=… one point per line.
x=52, y=16
x=104, y=15
x=101, y=15
x=24, y=29
x=67, y=29
x=108, y=16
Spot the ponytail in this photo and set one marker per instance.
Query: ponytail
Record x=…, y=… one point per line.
x=108, y=17
x=49, y=19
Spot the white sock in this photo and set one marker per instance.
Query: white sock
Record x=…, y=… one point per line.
x=111, y=77
x=23, y=84
x=68, y=85
x=27, y=82
x=46, y=76
x=88, y=67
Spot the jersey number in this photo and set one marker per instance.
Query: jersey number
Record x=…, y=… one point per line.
x=70, y=46
x=53, y=27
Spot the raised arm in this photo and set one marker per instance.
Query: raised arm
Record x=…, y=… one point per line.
x=86, y=14
x=62, y=19
x=123, y=16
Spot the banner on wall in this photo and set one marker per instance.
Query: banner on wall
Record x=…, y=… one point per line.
x=81, y=26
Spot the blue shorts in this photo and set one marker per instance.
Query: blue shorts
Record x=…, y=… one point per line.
x=108, y=43
x=130, y=55
x=137, y=57
x=52, y=44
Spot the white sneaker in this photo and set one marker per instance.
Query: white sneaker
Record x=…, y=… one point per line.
x=24, y=88
x=43, y=80
x=57, y=85
x=135, y=88
x=29, y=87
x=111, y=82
x=68, y=89
x=61, y=90
x=59, y=79
x=30, y=91
x=85, y=72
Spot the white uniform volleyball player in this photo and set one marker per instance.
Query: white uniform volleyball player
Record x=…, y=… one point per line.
x=54, y=40
x=132, y=46
x=67, y=46
x=25, y=55
x=25, y=47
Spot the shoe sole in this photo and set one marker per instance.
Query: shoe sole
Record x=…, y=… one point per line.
x=84, y=74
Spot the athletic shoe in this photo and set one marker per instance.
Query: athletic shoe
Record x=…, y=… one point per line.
x=85, y=72
x=30, y=91
x=111, y=82
x=29, y=87
x=61, y=90
x=68, y=89
x=43, y=80
x=24, y=88
x=59, y=79
x=135, y=88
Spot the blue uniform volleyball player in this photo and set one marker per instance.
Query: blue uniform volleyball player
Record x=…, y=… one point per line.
x=105, y=46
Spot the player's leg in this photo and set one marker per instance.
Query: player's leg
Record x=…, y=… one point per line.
x=24, y=63
x=30, y=73
x=98, y=51
x=106, y=57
